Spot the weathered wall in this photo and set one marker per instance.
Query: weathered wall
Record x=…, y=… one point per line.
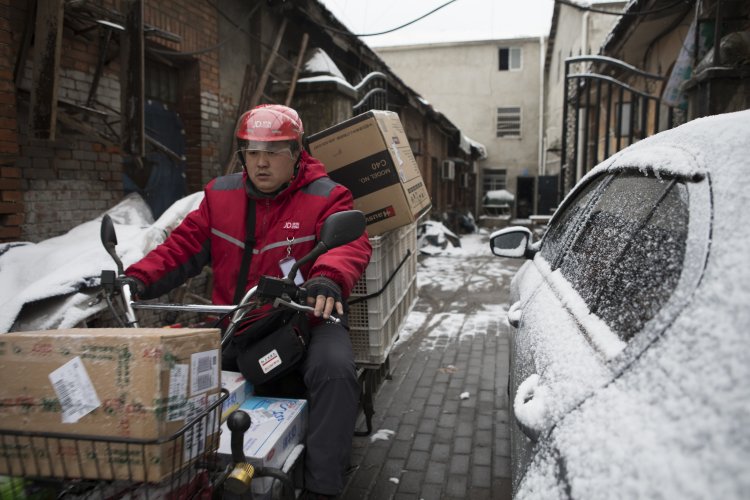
x=48, y=187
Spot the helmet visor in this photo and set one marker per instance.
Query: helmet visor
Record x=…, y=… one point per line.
x=274, y=148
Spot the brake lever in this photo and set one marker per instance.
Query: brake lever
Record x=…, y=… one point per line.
x=299, y=307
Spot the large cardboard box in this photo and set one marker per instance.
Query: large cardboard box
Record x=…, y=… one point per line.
x=370, y=154
x=277, y=426
x=123, y=384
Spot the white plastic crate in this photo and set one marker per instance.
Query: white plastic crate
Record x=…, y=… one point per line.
x=374, y=322
x=372, y=345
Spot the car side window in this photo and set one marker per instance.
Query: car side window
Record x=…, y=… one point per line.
x=626, y=261
x=648, y=271
x=563, y=227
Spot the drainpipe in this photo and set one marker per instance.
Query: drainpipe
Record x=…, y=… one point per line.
x=540, y=140
x=540, y=157
x=584, y=51
x=585, y=33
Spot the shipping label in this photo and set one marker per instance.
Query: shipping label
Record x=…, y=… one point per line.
x=195, y=436
x=204, y=374
x=177, y=400
x=75, y=391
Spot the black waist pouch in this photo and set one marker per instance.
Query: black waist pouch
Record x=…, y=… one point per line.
x=269, y=356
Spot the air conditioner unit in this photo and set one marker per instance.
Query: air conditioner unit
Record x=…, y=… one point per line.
x=466, y=180
x=449, y=170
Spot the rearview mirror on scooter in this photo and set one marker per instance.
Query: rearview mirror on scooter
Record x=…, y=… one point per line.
x=109, y=240
x=342, y=228
x=338, y=229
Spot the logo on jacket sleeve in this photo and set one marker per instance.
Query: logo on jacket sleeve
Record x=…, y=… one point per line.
x=291, y=225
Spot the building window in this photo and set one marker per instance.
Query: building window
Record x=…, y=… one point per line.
x=510, y=58
x=161, y=82
x=494, y=179
x=509, y=121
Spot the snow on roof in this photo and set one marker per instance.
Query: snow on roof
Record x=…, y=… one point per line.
x=328, y=78
x=320, y=63
x=476, y=145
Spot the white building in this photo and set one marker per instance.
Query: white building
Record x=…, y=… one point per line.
x=491, y=89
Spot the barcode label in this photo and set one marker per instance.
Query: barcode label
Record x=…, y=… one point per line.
x=177, y=400
x=195, y=437
x=204, y=375
x=74, y=390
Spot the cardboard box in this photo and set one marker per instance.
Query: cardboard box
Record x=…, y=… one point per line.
x=370, y=154
x=128, y=384
x=277, y=426
x=239, y=390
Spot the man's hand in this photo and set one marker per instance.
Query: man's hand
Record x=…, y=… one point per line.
x=323, y=294
x=137, y=287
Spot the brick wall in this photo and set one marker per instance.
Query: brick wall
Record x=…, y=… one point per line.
x=49, y=187
x=11, y=199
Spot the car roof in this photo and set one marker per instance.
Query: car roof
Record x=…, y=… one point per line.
x=717, y=147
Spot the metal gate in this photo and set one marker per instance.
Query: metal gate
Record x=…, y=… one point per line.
x=372, y=92
x=608, y=105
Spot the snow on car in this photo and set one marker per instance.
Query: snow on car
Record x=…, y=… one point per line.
x=630, y=354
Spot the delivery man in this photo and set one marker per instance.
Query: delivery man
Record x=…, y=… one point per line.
x=290, y=196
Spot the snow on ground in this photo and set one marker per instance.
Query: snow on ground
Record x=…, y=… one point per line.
x=464, y=271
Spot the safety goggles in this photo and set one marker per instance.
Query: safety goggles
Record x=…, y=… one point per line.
x=279, y=149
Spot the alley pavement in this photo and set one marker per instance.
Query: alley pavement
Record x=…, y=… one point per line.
x=440, y=429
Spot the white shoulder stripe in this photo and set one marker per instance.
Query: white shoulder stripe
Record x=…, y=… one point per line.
x=270, y=246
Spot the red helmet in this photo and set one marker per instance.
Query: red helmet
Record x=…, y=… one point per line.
x=270, y=122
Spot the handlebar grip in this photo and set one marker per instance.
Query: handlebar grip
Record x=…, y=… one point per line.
x=238, y=422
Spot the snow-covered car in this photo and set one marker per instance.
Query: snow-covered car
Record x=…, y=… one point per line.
x=630, y=327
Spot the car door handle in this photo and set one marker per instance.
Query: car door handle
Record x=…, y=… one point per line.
x=530, y=407
x=514, y=314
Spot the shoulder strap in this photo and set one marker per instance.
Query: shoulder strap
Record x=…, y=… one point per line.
x=239, y=292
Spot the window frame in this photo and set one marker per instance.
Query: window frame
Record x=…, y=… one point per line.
x=492, y=173
x=510, y=49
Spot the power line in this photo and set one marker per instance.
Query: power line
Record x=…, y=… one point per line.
x=343, y=32
x=611, y=13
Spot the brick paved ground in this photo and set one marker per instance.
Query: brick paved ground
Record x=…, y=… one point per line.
x=455, y=341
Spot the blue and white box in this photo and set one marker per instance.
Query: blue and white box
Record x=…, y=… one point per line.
x=277, y=426
x=239, y=390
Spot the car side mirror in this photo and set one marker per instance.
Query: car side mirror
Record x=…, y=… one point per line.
x=512, y=242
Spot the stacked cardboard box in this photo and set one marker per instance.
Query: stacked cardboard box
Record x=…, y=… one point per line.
x=370, y=154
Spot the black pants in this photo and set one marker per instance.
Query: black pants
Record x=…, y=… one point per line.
x=327, y=378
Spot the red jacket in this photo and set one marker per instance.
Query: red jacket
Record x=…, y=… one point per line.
x=215, y=234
